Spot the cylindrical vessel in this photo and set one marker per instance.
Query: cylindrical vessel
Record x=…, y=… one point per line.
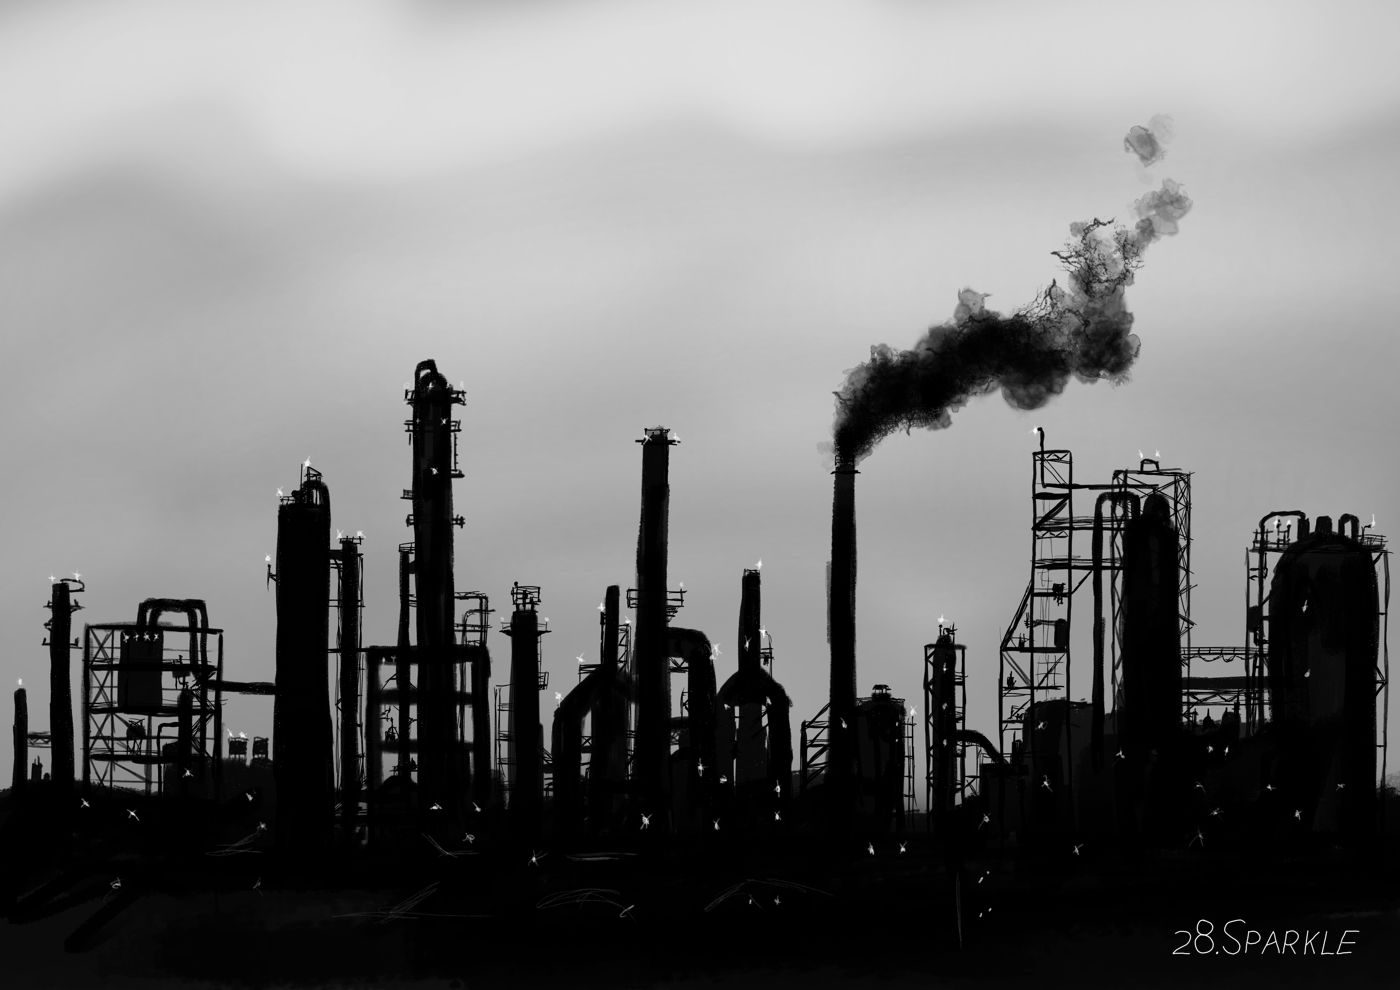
x=653, y=748
x=303, y=763
x=60, y=688
x=1150, y=718
x=524, y=724
x=349, y=599
x=441, y=769
x=1324, y=635
x=21, y=751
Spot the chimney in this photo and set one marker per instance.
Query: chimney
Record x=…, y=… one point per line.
x=842, y=618
x=526, y=783
x=653, y=743
x=21, y=752
x=750, y=621
x=60, y=688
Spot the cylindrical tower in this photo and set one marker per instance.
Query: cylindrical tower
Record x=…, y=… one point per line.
x=526, y=781
x=842, y=619
x=653, y=746
x=442, y=771
x=1150, y=717
x=60, y=689
x=303, y=764
x=349, y=609
x=21, y=752
x=941, y=727
x=1324, y=635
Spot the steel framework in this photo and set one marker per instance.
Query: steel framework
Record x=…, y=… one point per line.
x=1036, y=648
x=944, y=722
x=125, y=736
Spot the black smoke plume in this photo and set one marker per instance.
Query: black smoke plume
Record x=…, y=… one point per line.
x=1079, y=329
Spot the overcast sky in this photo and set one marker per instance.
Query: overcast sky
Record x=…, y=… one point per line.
x=229, y=231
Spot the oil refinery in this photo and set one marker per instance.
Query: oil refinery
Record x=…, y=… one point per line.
x=664, y=768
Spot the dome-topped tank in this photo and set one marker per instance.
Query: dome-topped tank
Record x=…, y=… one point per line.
x=1324, y=633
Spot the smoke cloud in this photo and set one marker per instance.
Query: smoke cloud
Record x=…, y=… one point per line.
x=1079, y=329
x=1148, y=142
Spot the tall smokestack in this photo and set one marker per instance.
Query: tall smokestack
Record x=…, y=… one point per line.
x=1082, y=330
x=21, y=740
x=653, y=749
x=303, y=766
x=349, y=609
x=842, y=616
x=526, y=782
x=441, y=769
x=60, y=689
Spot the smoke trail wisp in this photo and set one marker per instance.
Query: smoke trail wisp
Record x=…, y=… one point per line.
x=1081, y=328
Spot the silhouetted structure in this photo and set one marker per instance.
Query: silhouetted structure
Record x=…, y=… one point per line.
x=841, y=603
x=600, y=697
x=349, y=601
x=21, y=739
x=694, y=767
x=651, y=753
x=131, y=685
x=1323, y=637
x=525, y=762
x=760, y=719
x=60, y=626
x=945, y=702
x=303, y=768
x=443, y=769
x=1149, y=716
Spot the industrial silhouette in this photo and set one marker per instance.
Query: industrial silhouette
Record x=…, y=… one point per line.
x=403, y=764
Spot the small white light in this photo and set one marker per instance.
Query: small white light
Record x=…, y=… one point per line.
x=359, y=534
x=759, y=566
x=306, y=463
x=267, y=559
x=21, y=682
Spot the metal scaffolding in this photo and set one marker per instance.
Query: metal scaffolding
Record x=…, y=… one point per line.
x=945, y=746
x=1036, y=649
x=132, y=681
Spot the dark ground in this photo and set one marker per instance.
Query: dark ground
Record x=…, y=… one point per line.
x=791, y=915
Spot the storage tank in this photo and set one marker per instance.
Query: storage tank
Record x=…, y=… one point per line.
x=1323, y=636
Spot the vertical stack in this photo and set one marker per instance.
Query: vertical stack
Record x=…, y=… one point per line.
x=653, y=749
x=303, y=768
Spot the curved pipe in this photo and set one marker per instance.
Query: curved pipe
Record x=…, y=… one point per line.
x=977, y=739
x=149, y=613
x=1355, y=526
x=1299, y=514
x=1096, y=730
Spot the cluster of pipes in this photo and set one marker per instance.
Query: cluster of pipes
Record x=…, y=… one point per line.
x=449, y=773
